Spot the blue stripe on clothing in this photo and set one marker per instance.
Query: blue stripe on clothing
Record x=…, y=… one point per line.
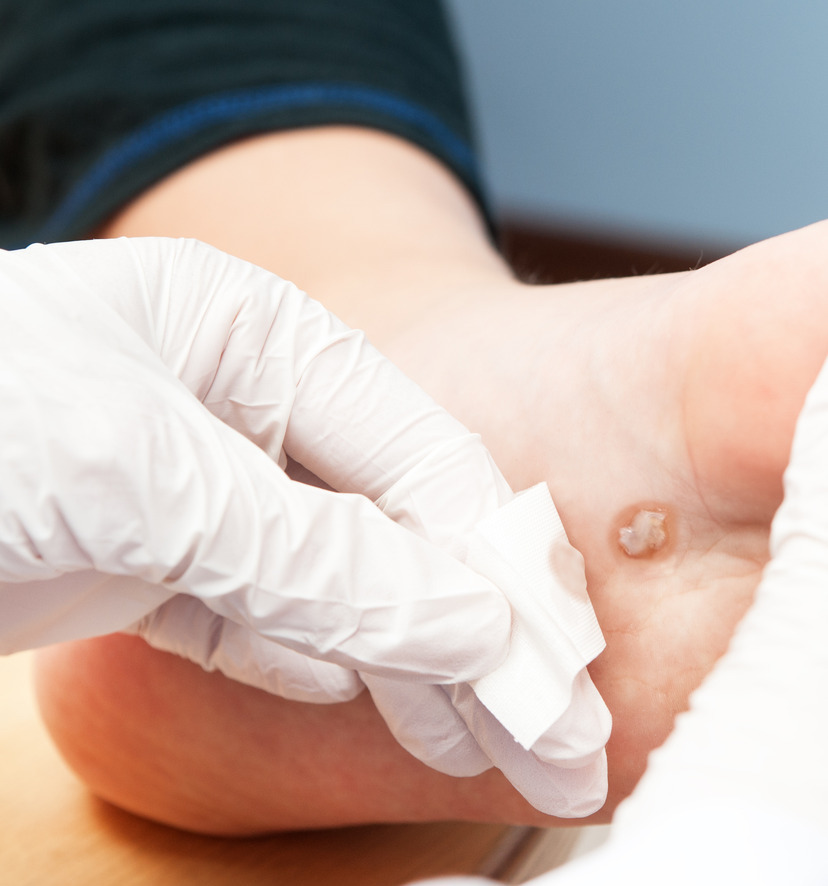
x=198, y=115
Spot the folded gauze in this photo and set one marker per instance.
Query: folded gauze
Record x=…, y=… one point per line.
x=537, y=717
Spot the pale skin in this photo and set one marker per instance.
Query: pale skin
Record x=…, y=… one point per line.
x=678, y=392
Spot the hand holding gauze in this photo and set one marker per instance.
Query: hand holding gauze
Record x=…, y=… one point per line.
x=151, y=391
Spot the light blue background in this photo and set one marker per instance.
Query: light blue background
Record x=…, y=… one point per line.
x=678, y=121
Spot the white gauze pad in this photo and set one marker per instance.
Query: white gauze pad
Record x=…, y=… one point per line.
x=522, y=547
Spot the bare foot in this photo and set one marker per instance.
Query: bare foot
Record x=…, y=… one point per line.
x=678, y=393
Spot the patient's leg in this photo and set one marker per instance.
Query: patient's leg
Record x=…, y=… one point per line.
x=617, y=393
x=159, y=736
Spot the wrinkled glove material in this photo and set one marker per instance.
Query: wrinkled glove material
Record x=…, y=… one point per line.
x=148, y=388
x=152, y=392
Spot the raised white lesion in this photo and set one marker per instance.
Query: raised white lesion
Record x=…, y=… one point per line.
x=645, y=534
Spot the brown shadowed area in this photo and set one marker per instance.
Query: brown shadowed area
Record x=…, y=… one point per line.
x=549, y=252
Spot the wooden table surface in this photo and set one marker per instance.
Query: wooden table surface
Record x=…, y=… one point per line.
x=52, y=832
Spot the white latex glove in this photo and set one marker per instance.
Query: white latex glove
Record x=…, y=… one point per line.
x=112, y=467
x=125, y=501
x=739, y=792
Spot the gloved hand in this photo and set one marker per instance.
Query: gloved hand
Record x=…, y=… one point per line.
x=113, y=467
x=737, y=794
x=124, y=501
